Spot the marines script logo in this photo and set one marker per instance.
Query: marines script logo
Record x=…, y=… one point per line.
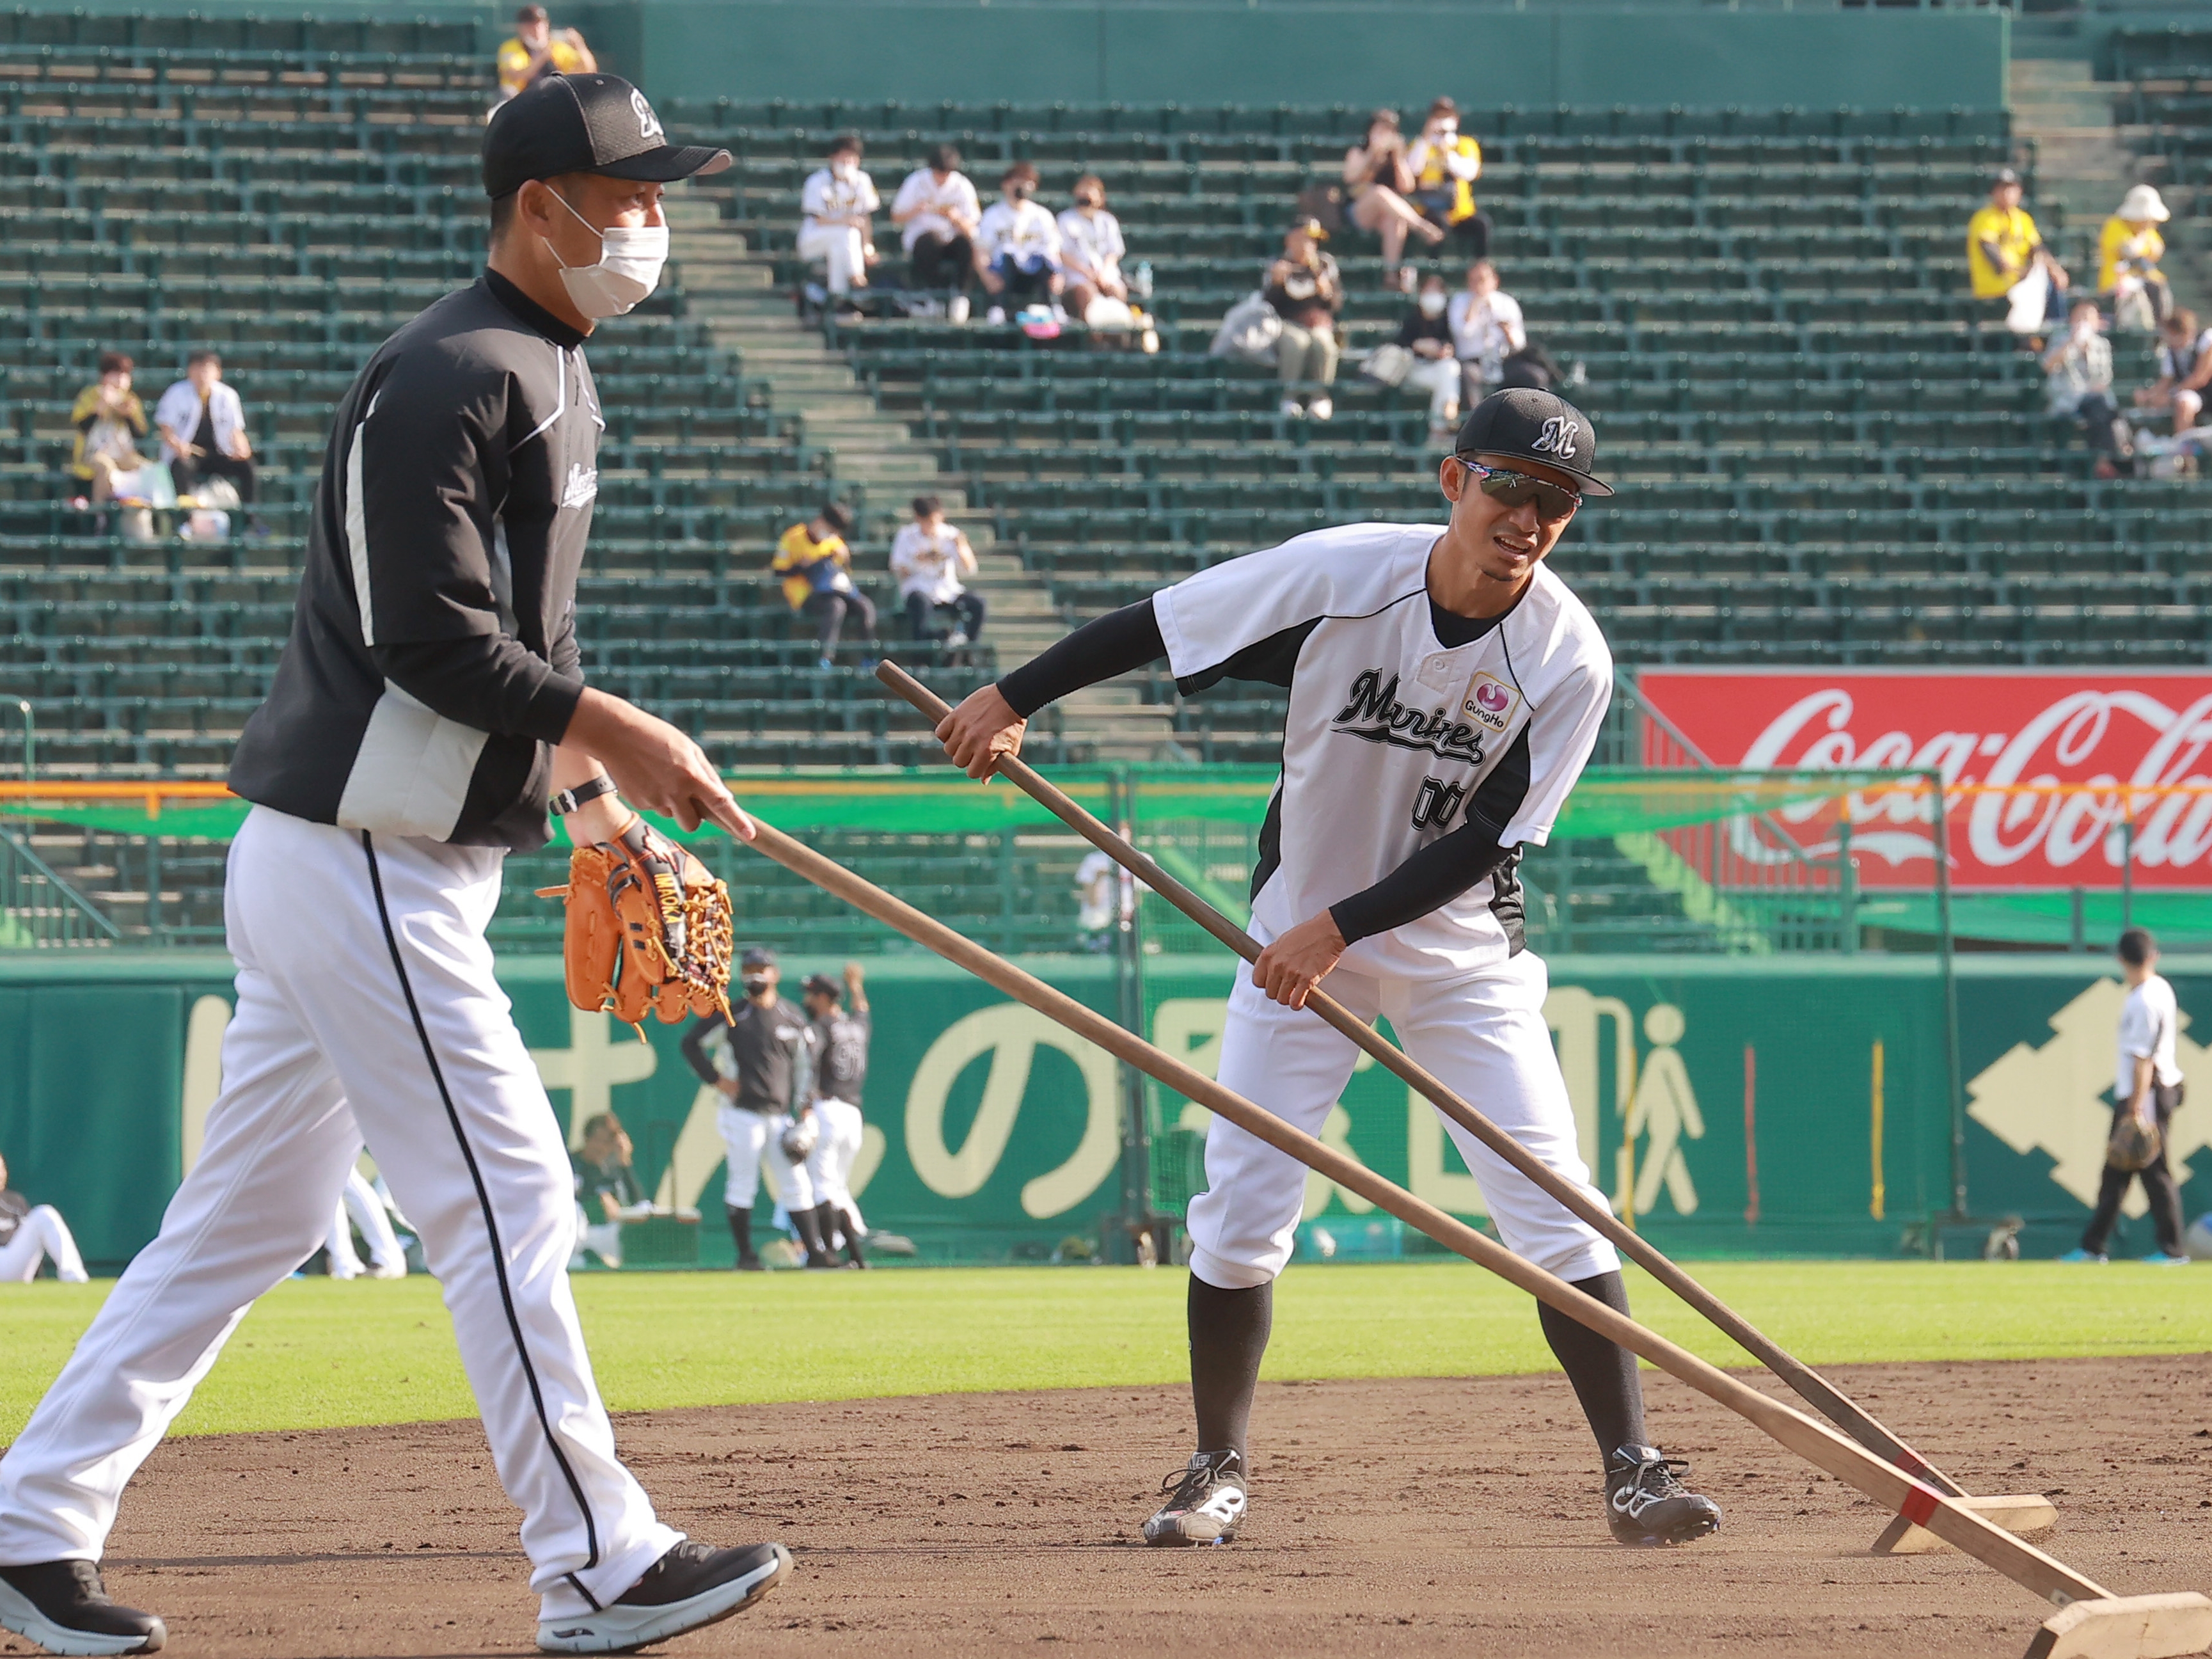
x=2105, y=734
x=1373, y=714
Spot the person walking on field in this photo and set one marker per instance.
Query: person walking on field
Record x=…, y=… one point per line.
x=842, y=1026
x=1445, y=690
x=427, y=713
x=2147, y=1091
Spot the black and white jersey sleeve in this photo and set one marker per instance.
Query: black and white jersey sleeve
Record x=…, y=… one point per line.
x=433, y=657
x=1394, y=738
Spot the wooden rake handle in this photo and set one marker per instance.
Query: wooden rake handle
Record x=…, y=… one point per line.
x=1816, y=1389
x=1819, y=1445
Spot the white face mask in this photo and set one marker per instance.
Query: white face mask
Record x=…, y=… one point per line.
x=628, y=270
x=1433, y=305
x=842, y=171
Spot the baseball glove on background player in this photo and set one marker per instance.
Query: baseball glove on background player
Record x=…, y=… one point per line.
x=799, y=1138
x=647, y=928
x=2134, y=1144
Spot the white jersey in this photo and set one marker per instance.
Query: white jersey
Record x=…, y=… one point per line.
x=825, y=195
x=1091, y=243
x=927, y=565
x=1393, y=739
x=1019, y=230
x=2148, y=1019
x=937, y=203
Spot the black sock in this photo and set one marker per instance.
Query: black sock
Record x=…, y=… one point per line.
x=809, y=1223
x=1602, y=1372
x=1228, y=1334
x=826, y=1222
x=741, y=1230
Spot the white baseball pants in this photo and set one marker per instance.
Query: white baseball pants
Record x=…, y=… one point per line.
x=830, y=1165
x=363, y=977
x=1485, y=1037
x=40, y=1234
x=840, y=250
x=360, y=1207
x=752, y=1138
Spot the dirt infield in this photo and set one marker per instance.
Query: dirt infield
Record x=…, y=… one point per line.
x=1399, y=1517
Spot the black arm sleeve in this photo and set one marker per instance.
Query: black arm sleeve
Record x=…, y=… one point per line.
x=1432, y=878
x=488, y=681
x=1117, y=643
x=695, y=1049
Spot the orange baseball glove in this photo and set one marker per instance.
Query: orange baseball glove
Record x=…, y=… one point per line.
x=647, y=928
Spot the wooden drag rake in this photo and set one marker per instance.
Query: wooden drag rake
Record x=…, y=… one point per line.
x=2092, y=1623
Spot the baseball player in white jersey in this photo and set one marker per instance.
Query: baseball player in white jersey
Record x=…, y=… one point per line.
x=428, y=707
x=1445, y=690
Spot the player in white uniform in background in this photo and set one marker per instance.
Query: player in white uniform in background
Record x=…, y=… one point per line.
x=842, y=1026
x=360, y=1205
x=2147, y=1085
x=1445, y=690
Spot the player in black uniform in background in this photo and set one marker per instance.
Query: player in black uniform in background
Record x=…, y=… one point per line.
x=840, y=1073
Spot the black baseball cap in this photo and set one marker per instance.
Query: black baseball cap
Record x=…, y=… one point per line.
x=1526, y=424
x=823, y=984
x=757, y=956
x=585, y=124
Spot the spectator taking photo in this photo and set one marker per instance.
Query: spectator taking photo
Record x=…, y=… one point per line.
x=1486, y=329
x=817, y=567
x=537, y=50
x=1305, y=291
x=1445, y=163
x=1377, y=173
x=2127, y=252
x=2078, y=386
x=110, y=421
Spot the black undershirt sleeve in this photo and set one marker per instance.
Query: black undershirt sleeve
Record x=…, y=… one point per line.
x=1431, y=879
x=1118, y=643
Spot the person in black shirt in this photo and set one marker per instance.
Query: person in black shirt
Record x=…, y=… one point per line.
x=761, y=1060
x=1427, y=333
x=841, y=1074
x=428, y=707
x=607, y=1193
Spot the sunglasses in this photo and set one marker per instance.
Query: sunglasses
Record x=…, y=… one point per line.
x=1554, y=502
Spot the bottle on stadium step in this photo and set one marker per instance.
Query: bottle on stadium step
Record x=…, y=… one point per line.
x=1445, y=690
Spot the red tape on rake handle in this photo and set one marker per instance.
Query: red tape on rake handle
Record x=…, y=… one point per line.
x=1920, y=1504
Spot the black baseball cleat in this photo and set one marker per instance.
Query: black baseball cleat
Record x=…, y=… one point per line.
x=693, y=1585
x=1644, y=1503
x=1205, y=1503
x=61, y=1606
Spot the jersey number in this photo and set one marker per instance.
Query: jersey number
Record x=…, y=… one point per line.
x=1437, y=802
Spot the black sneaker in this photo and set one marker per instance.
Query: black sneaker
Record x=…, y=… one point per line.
x=693, y=1585
x=61, y=1606
x=1205, y=1502
x=1644, y=1503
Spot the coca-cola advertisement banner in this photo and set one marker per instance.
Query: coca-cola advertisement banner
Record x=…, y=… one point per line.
x=2111, y=736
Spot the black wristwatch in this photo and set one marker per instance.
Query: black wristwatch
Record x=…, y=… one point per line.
x=566, y=801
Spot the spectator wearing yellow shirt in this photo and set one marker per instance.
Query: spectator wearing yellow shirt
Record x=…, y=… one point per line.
x=2128, y=252
x=2007, y=260
x=109, y=420
x=537, y=49
x=817, y=567
x=1445, y=163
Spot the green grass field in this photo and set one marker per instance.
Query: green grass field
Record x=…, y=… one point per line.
x=316, y=1353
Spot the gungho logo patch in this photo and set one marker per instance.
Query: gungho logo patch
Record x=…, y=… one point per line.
x=1490, y=702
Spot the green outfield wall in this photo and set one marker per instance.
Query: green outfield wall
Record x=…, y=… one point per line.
x=1734, y=1101
x=1208, y=52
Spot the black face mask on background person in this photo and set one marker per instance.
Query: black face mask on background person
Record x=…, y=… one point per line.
x=1022, y=193
x=755, y=985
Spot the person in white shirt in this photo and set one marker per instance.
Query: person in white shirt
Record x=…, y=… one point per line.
x=1091, y=250
x=2147, y=1086
x=203, y=428
x=2185, y=369
x=929, y=557
x=835, y=205
x=29, y=1233
x=1017, y=250
x=1487, y=328
x=938, y=215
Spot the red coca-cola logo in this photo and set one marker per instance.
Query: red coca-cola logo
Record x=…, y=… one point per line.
x=2052, y=779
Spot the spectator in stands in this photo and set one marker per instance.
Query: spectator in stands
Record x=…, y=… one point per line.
x=2184, y=369
x=817, y=567
x=1426, y=332
x=1091, y=250
x=2128, y=252
x=929, y=557
x=537, y=49
x=607, y=1193
x=1304, y=289
x=2078, y=384
x=1445, y=163
x=1017, y=250
x=937, y=214
x=835, y=205
x=203, y=426
x=109, y=420
x=1377, y=173
x=2006, y=259
x=29, y=1233
x=1487, y=328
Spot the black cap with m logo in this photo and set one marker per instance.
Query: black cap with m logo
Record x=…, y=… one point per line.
x=1523, y=424
x=585, y=124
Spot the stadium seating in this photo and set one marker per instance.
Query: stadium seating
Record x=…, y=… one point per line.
x=1831, y=455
